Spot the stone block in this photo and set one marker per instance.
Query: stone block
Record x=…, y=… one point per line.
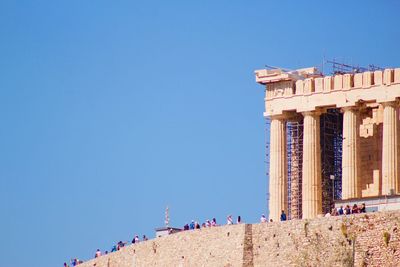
x=299, y=87
x=358, y=80
x=308, y=86
x=338, y=82
x=367, y=79
x=319, y=84
x=397, y=75
x=388, y=76
x=347, y=81
x=328, y=84
x=289, y=88
x=378, y=77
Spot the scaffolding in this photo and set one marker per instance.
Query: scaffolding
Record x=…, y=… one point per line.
x=341, y=68
x=294, y=130
x=331, y=161
x=331, y=125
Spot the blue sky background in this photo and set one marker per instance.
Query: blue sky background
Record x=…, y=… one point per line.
x=112, y=110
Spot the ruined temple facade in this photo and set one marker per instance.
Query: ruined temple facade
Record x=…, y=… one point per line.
x=364, y=161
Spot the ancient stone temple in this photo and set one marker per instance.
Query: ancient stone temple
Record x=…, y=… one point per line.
x=331, y=138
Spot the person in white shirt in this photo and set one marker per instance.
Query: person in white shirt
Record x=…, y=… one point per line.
x=98, y=253
x=263, y=219
x=229, y=220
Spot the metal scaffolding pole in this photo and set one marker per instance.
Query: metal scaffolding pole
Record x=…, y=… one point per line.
x=331, y=157
x=295, y=164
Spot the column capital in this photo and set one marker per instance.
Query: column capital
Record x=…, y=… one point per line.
x=355, y=108
x=313, y=113
x=281, y=117
x=390, y=103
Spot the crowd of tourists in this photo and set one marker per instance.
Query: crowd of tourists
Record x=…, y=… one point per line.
x=210, y=223
x=116, y=247
x=347, y=210
x=283, y=217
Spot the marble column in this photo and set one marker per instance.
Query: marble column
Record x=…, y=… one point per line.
x=351, y=186
x=312, y=183
x=390, y=169
x=278, y=168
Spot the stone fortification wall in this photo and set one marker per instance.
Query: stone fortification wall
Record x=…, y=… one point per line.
x=217, y=246
x=372, y=239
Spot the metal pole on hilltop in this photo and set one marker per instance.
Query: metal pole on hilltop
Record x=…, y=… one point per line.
x=166, y=217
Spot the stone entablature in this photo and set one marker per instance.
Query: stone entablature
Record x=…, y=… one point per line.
x=299, y=92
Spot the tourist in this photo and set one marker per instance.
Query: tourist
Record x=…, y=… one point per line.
x=196, y=225
x=283, y=216
x=328, y=214
x=186, y=227
x=208, y=223
x=74, y=262
x=98, y=253
x=66, y=265
x=214, y=222
x=347, y=210
x=354, y=209
x=263, y=219
x=229, y=220
x=340, y=211
x=120, y=245
x=203, y=225
x=136, y=239
x=362, y=209
x=191, y=226
x=334, y=212
x=145, y=238
x=114, y=248
x=239, y=220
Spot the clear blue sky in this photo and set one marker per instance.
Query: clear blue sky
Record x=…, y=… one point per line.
x=111, y=110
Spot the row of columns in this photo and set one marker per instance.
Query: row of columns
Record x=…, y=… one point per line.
x=312, y=181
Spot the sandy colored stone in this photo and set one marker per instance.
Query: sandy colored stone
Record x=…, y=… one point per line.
x=318, y=242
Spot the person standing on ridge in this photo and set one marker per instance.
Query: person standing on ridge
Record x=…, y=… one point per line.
x=191, y=225
x=283, y=216
x=263, y=219
x=229, y=220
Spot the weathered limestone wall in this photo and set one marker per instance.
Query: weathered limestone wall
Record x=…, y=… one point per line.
x=318, y=242
x=371, y=152
x=217, y=246
x=329, y=241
